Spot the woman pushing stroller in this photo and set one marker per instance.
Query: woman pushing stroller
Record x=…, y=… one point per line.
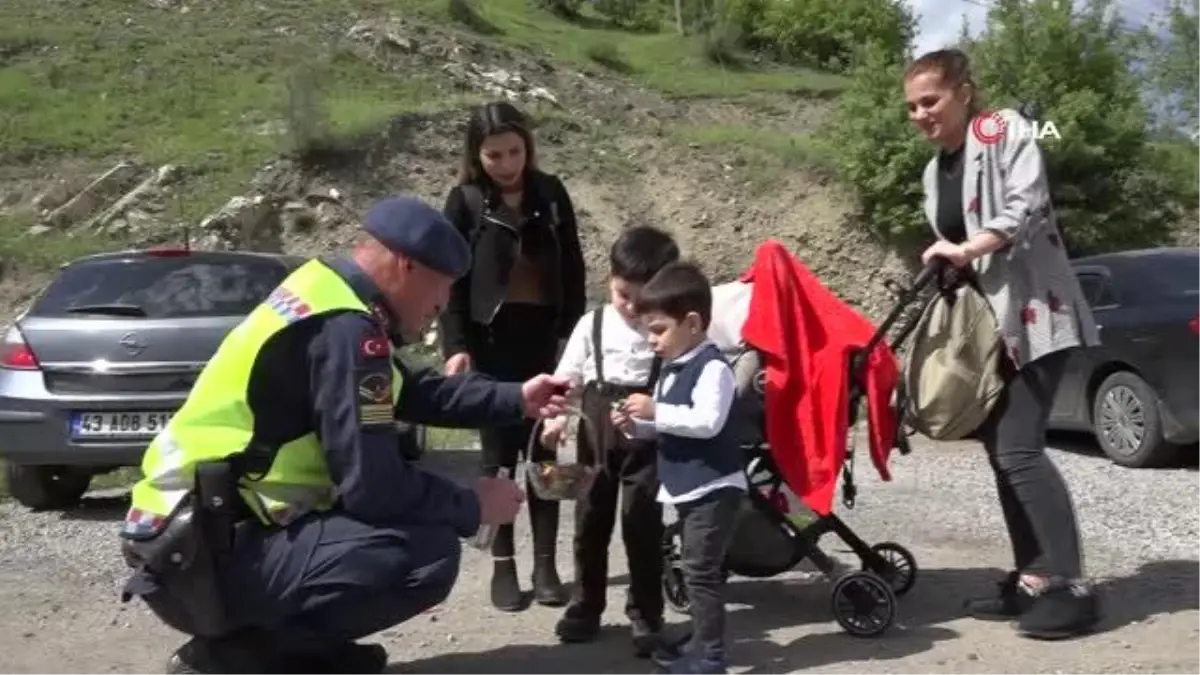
x=988, y=201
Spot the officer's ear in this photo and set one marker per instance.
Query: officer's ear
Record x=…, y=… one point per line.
x=405, y=263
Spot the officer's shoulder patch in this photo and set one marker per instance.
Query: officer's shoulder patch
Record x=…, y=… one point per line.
x=373, y=346
x=375, y=400
x=375, y=388
x=376, y=415
x=287, y=304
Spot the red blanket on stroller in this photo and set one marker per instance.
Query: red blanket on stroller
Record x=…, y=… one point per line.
x=806, y=335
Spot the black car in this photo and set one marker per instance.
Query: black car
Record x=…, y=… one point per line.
x=1137, y=391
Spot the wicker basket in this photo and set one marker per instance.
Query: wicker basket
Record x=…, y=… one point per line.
x=563, y=479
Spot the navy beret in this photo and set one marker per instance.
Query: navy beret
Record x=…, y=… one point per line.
x=409, y=226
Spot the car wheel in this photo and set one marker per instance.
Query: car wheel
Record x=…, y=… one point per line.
x=42, y=487
x=1126, y=422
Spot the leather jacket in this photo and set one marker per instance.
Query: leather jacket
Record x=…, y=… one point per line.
x=550, y=231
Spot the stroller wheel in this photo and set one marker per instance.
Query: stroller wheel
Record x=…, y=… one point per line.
x=899, y=567
x=674, y=589
x=864, y=605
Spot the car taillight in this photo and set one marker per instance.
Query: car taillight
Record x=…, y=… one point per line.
x=1194, y=324
x=15, y=354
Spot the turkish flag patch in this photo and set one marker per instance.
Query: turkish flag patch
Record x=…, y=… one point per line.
x=373, y=347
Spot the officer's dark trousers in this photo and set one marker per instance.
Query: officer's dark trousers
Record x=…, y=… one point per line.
x=521, y=342
x=628, y=479
x=328, y=579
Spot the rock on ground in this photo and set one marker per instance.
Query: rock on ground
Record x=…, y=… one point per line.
x=60, y=575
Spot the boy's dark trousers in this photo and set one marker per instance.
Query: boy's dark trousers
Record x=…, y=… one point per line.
x=708, y=525
x=628, y=471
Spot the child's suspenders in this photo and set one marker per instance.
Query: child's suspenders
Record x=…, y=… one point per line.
x=598, y=354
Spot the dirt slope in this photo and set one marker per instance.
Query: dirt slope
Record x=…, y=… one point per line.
x=723, y=172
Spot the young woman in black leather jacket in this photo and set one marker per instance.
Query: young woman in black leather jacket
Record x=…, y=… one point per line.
x=508, y=317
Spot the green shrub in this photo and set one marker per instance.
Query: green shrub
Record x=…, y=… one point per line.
x=609, y=55
x=874, y=149
x=719, y=44
x=637, y=15
x=823, y=33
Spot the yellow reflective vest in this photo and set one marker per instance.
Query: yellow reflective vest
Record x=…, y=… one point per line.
x=215, y=421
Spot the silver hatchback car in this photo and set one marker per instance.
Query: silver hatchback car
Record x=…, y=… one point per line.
x=104, y=356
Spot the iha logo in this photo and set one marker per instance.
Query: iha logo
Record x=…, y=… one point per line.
x=990, y=128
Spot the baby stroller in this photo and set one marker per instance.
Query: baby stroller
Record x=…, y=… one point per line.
x=769, y=540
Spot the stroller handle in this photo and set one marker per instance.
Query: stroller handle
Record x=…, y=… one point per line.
x=923, y=278
x=927, y=274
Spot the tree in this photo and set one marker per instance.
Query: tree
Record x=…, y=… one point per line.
x=874, y=148
x=1170, y=48
x=823, y=33
x=1070, y=62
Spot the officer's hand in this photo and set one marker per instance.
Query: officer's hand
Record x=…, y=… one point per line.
x=499, y=500
x=545, y=395
x=458, y=364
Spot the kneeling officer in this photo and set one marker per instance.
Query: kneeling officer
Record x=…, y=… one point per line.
x=278, y=522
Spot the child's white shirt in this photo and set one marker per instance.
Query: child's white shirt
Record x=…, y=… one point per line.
x=627, y=358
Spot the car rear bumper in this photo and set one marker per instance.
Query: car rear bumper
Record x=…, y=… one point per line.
x=1178, y=394
x=39, y=433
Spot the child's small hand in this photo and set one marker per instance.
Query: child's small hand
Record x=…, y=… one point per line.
x=621, y=422
x=552, y=433
x=640, y=406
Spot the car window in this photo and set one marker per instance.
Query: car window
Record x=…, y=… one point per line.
x=1174, y=275
x=1094, y=289
x=167, y=287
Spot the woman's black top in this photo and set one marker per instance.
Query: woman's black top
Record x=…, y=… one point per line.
x=547, y=233
x=951, y=222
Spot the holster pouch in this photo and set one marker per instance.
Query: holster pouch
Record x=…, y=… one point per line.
x=184, y=557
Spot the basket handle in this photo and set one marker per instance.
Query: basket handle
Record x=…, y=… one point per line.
x=583, y=421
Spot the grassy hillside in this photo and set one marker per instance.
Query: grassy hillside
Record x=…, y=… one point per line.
x=219, y=88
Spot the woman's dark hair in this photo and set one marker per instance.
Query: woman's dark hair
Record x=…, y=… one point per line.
x=640, y=252
x=489, y=120
x=677, y=290
x=953, y=67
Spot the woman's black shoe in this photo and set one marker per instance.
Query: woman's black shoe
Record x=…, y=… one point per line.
x=647, y=636
x=1012, y=599
x=548, y=589
x=506, y=590
x=578, y=624
x=1061, y=611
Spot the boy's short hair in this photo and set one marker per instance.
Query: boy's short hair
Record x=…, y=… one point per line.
x=678, y=289
x=640, y=252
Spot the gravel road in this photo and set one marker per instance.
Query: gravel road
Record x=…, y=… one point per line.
x=60, y=574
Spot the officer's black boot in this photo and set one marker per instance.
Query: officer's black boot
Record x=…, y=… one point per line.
x=548, y=588
x=242, y=652
x=506, y=590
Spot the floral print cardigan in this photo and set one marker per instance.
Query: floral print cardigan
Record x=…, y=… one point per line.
x=1037, y=300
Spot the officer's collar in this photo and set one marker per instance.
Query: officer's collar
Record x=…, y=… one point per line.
x=366, y=290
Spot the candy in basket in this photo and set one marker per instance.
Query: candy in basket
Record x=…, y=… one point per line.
x=564, y=478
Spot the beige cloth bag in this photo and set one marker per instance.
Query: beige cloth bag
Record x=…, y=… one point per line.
x=952, y=374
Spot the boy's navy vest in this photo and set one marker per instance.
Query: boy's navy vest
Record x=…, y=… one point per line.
x=685, y=464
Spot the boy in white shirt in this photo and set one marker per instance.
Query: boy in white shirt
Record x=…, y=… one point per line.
x=699, y=457
x=609, y=358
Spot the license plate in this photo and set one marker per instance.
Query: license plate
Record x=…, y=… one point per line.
x=118, y=424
